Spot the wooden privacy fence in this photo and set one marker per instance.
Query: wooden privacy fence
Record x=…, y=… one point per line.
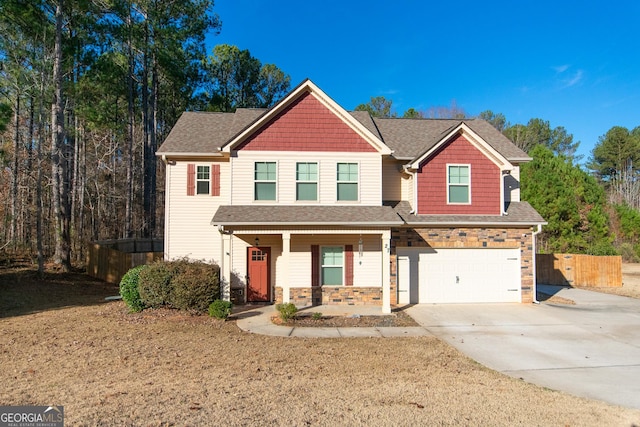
x=109, y=260
x=579, y=270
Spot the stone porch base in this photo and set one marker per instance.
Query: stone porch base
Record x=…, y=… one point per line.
x=332, y=295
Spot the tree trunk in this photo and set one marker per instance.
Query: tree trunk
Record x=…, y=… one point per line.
x=128, y=221
x=59, y=188
x=14, y=177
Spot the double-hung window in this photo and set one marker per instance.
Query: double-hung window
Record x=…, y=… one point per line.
x=306, y=181
x=265, y=181
x=332, y=263
x=347, y=178
x=203, y=176
x=458, y=184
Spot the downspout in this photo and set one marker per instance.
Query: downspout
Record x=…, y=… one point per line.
x=535, y=278
x=414, y=188
x=503, y=196
x=167, y=204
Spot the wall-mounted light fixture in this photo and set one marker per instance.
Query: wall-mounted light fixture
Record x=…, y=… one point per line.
x=257, y=242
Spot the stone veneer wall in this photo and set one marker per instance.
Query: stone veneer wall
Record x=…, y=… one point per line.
x=468, y=238
x=332, y=295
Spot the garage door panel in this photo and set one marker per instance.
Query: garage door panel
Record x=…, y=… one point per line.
x=460, y=275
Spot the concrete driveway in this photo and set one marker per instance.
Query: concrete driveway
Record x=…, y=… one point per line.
x=591, y=349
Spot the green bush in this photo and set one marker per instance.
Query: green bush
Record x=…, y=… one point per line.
x=154, y=284
x=129, y=288
x=287, y=311
x=195, y=286
x=220, y=309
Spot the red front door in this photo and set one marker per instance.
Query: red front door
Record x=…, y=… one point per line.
x=258, y=289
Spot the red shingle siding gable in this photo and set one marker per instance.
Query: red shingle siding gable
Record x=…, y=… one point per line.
x=306, y=125
x=485, y=181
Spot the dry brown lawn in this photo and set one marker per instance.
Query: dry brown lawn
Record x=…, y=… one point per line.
x=62, y=344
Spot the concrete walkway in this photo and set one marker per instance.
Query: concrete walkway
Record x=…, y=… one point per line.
x=591, y=349
x=258, y=321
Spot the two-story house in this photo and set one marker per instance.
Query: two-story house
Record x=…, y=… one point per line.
x=308, y=203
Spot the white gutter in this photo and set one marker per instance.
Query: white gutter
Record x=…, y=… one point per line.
x=183, y=154
x=533, y=249
x=307, y=223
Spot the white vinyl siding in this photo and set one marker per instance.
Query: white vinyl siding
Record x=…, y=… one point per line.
x=188, y=229
x=392, y=180
x=512, y=185
x=369, y=169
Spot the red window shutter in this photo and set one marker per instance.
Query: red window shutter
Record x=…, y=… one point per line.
x=348, y=265
x=215, y=180
x=191, y=179
x=315, y=265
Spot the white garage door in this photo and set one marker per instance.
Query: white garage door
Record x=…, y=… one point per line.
x=427, y=275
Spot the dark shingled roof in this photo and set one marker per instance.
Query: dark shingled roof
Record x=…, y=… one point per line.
x=409, y=138
x=204, y=133
x=518, y=213
x=306, y=215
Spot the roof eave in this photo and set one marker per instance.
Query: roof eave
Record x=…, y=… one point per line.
x=309, y=224
x=188, y=154
x=476, y=223
x=520, y=159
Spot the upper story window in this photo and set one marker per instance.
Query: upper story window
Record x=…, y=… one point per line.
x=347, y=181
x=306, y=181
x=458, y=184
x=202, y=180
x=265, y=181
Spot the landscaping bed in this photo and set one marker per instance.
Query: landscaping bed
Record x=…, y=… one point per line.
x=312, y=320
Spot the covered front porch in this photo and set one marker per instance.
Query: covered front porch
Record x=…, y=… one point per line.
x=307, y=266
x=307, y=255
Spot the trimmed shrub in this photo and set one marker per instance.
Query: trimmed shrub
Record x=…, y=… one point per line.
x=129, y=288
x=154, y=284
x=220, y=309
x=287, y=311
x=195, y=286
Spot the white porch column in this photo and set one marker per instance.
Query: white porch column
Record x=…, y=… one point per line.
x=225, y=268
x=283, y=276
x=386, y=271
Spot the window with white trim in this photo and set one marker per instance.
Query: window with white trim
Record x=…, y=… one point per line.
x=306, y=181
x=265, y=181
x=347, y=181
x=332, y=265
x=203, y=176
x=459, y=184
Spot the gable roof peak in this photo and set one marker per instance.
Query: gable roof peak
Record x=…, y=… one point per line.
x=302, y=89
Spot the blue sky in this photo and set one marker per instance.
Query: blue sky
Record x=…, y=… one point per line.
x=575, y=64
